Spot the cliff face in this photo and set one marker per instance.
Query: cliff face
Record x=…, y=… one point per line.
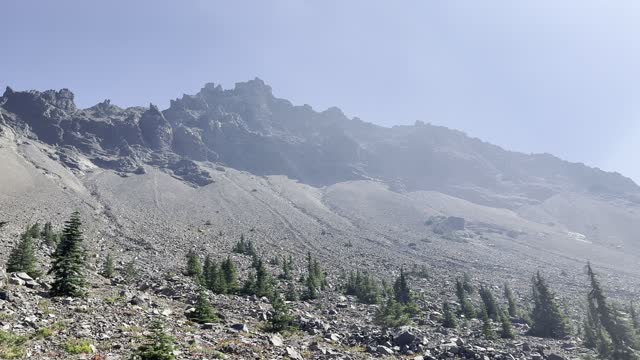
x=248, y=128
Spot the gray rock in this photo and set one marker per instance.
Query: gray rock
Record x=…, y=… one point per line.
x=383, y=350
x=404, y=336
x=293, y=354
x=137, y=300
x=240, y=327
x=276, y=340
x=22, y=275
x=5, y=295
x=16, y=281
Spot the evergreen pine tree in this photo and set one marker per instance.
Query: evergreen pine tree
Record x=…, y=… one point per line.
x=292, y=293
x=212, y=276
x=312, y=290
x=513, y=307
x=364, y=287
x=466, y=282
x=264, y=283
x=130, y=271
x=286, y=269
x=206, y=271
x=108, y=267
x=194, y=267
x=230, y=276
x=487, y=327
x=490, y=303
x=607, y=319
x=392, y=314
x=506, y=326
x=48, y=235
x=448, y=318
x=280, y=318
x=158, y=347
x=22, y=257
x=590, y=332
x=239, y=248
x=204, y=312
x=401, y=289
x=34, y=231
x=68, y=261
x=466, y=307
x=547, y=319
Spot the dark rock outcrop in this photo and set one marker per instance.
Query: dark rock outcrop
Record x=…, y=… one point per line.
x=248, y=128
x=156, y=130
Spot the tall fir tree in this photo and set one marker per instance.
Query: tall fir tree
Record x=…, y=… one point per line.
x=194, y=267
x=68, y=261
x=511, y=301
x=230, y=276
x=280, y=318
x=48, y=235
x=364, y=287
x=263, y=283
x=391, y=314
x=203, y=312
x=292, y=293
x=34, y=231
x=287, y=266
x=448, y=318
x=506, y=331
x=159, y=345
x=487, y=327
x=108, y=269
x=609, y=323
x=466, y=282
x=546, y=316
x=490, y=303
x=466, y=307
x=22, y=257
x=401, y=289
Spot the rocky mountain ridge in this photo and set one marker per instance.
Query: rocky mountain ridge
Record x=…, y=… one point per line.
x=249, y=129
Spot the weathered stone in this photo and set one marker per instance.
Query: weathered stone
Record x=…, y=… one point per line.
x=240, y=327
x=16, y=281
x=22, y=275
x=404, y=336
x=383, y=350
x=293, y=354
x=276, y=340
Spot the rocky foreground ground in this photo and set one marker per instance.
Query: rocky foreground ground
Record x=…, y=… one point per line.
x=115, y=319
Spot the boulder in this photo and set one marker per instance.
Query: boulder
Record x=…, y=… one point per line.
x=16, y=281
x=22, y=275
x=293, y=354
x=404, y=336
x=383, y=350
x=276, y=340
x=240, y=327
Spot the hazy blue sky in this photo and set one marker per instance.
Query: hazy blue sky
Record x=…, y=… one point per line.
x=535, y=76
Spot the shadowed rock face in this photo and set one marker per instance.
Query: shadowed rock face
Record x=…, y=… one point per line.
x=250, y=129
x=156, y=130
